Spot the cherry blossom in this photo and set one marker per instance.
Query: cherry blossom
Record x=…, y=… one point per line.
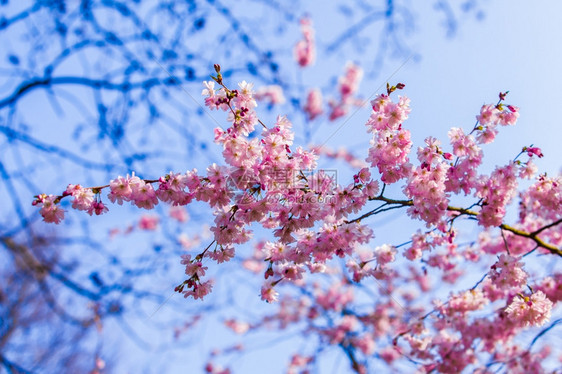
x=305, y=49
x=320, y=262
x=530, y=310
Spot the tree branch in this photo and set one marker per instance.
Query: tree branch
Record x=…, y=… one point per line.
x=97, y=84
x=463, y=211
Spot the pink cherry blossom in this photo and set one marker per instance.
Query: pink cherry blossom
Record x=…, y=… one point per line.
x=534, y=151
x=271, y=94
x=305, y=49
x=83, y=197
x=179, y=214
x=50, y=210
x=148, y=222
x=268, y=293
x=313, y=106
x=530, y=310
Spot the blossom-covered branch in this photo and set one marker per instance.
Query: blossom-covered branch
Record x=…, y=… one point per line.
x=268, y=181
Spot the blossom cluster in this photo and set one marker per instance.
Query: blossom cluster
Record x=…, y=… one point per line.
x=270, y=182
x=391, y=143
x=305, y=49
x=347, y=87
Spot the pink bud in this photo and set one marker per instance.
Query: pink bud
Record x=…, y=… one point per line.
x=534, y=151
